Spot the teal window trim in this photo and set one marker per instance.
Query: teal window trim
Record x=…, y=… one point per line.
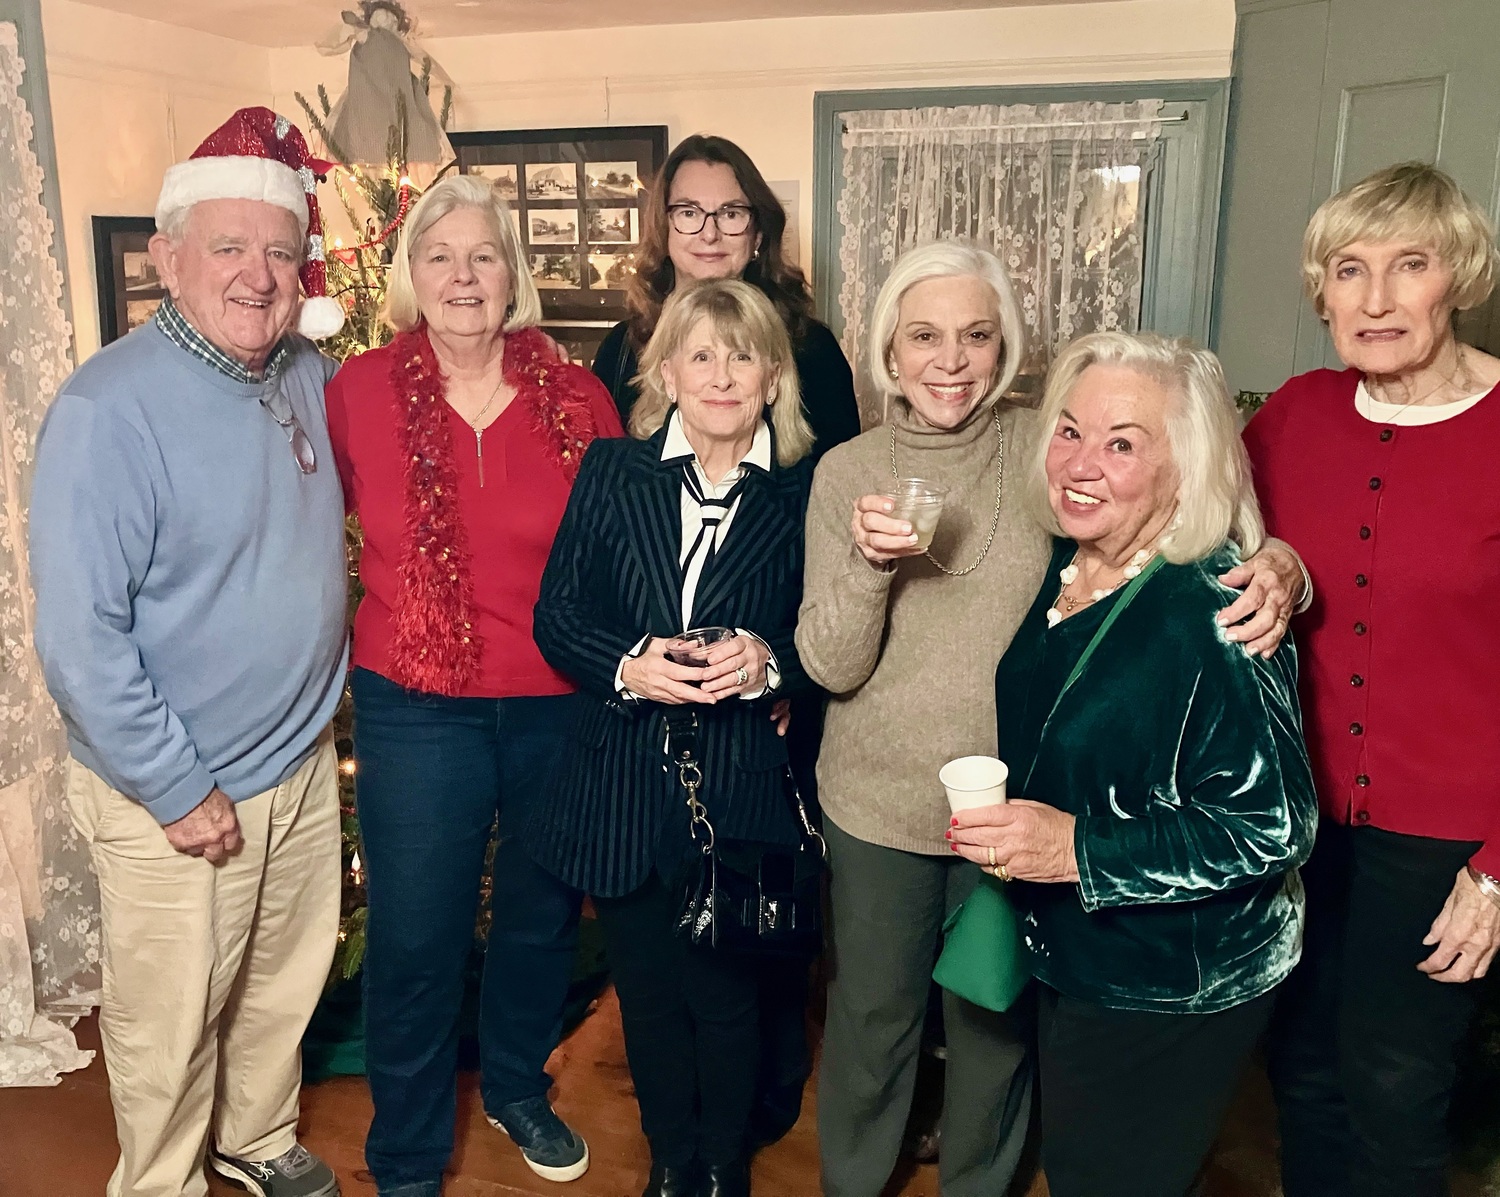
x=26, y=16
x=1182, y=204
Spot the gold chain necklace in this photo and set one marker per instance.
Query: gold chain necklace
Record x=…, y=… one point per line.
x=994, y=519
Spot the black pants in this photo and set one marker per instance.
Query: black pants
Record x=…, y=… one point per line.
x=691, y=1030
x=1363, y=1046
x=1132, y=1100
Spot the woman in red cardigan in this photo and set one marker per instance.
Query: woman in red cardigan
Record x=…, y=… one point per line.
x=1382, y=475
x=458, y=444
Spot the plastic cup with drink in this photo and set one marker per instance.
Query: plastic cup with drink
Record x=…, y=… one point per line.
x=920, y=503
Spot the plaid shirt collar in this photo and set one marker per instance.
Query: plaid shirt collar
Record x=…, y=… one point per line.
x=176, y=328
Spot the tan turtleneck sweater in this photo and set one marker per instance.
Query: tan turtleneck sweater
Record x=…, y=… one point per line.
x=909, y=653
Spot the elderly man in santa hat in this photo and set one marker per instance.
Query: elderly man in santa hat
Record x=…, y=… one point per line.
x=187, y=553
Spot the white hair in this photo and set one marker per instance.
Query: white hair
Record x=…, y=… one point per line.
x=460, y=191
x=945, y=259
x=1215, y=499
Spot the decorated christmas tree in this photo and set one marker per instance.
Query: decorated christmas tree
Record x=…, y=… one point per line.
x=376, y=200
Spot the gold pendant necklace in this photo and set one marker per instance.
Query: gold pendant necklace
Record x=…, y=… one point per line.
x=994, y=519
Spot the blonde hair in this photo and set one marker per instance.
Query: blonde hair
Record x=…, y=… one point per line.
x=1409, y=201
x=401, y=310
x=1215, y=499
x=744, y=319
x=945, y=259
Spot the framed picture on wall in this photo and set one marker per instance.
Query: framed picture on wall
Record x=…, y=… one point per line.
x=129, y=291
x=578, y=197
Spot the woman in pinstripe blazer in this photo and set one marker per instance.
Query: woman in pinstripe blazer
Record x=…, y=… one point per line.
x=698, y=521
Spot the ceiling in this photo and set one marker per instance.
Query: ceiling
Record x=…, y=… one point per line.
x=303, y=22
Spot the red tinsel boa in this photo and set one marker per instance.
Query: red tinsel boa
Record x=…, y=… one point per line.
x=435, y=647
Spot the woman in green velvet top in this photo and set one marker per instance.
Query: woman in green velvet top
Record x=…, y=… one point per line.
x=1163, y=795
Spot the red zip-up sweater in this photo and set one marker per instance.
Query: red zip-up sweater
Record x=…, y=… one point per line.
x=509, y=523
x=1400, y=530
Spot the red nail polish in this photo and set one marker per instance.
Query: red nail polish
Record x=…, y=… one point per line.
x=948, y=835
x=953, y=822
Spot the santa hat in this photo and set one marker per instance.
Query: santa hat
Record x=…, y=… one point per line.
x=257, y=155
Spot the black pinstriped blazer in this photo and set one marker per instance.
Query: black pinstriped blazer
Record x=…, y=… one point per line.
x=612, y=577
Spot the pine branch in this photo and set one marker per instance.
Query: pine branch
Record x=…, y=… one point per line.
x=447, y=113
x=323, y=99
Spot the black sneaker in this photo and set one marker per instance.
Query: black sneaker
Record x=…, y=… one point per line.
x=294, y=1173
x=550, y=1148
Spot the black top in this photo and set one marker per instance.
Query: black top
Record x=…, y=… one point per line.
x=615, y=812
x=827, y=382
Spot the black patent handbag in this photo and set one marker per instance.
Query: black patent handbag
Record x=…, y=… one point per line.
x=745, y=895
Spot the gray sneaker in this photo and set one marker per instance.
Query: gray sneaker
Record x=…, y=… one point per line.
x=295, y=1173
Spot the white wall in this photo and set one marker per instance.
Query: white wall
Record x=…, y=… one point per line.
x=753, y=81
x=130, y=96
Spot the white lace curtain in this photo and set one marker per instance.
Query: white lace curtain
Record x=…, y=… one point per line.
x=1056, y=190
x=49, y=908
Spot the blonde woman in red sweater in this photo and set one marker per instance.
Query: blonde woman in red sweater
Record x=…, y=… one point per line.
x=1382, y=476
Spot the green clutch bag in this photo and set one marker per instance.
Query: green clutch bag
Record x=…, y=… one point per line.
x=983, y=959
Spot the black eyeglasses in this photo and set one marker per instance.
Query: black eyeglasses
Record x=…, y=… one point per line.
x=302, y=449
x=733, y=220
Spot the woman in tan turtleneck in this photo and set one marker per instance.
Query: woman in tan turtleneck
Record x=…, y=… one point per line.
x=906, y=641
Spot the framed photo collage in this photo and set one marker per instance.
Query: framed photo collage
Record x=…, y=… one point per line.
x=577, y=197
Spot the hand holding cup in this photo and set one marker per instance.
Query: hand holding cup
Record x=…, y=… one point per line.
x=900, y=522
x=655, y=675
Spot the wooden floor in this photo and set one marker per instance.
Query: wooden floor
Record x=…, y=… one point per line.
x=59, y=1142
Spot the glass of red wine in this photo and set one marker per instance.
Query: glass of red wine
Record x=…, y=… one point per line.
x=691, y=647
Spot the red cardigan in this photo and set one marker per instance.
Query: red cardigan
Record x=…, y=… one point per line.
x=1400, y=530
x=509, y=523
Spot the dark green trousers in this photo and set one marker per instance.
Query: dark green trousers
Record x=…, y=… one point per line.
x=885, y=929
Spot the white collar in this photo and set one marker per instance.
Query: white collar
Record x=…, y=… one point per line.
x=676, y=444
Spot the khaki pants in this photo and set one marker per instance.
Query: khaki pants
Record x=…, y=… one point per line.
x=211, y=973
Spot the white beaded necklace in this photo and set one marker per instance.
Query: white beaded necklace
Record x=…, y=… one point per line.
x=1069, y=575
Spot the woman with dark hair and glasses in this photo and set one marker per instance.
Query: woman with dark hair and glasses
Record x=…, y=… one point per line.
x=710, y=214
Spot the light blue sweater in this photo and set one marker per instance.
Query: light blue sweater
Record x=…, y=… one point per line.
x=190, y=580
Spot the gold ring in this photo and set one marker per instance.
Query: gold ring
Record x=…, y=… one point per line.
x=1003, y=873
x=742, y=675
x=992, y=856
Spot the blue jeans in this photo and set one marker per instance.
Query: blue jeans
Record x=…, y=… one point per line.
x=431, y=775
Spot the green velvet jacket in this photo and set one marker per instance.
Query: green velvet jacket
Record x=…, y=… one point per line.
x=1182, y=759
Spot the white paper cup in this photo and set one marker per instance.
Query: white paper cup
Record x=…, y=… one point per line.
x=974, y=781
